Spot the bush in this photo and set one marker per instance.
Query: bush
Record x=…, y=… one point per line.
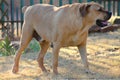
x=33, y=46
x=6, y=48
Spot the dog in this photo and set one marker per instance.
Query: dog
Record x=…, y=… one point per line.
x=63, y=26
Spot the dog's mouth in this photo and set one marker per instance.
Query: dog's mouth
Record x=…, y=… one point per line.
x=104, y=22
x=101, y=23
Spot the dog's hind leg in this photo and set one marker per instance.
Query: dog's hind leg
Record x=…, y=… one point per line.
x=44, y=46
x=27, y=33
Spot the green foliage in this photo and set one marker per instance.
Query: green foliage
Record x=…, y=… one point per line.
x=6, y=48
x=33, y=46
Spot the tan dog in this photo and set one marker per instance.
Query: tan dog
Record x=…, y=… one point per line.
x=60, y=26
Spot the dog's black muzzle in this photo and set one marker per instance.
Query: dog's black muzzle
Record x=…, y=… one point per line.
x=104, y=22
x=109, y=14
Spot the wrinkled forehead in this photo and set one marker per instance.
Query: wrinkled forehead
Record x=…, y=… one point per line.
x=96, y=6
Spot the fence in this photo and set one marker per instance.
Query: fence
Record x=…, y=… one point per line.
x=11, y=16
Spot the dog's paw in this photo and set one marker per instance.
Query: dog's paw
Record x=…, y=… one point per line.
x=55, y=72
x=15, y=69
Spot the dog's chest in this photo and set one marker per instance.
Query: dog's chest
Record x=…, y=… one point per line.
x=75, y=39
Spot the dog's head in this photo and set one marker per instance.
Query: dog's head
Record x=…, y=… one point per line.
x=95, y=13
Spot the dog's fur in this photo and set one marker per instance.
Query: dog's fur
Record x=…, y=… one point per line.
x=60, y=26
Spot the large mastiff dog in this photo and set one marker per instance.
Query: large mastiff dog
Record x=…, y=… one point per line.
x=60, y=26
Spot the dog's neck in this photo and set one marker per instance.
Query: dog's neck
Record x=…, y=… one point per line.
x=90, y=22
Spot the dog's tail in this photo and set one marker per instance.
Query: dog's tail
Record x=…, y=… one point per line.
x=24, y=9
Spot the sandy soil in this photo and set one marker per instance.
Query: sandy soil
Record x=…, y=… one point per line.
x=103, y=55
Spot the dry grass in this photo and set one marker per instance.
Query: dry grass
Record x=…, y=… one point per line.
x=103, y=55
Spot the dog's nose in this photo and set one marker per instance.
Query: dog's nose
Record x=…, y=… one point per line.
x=108, y=16
x=110, y=13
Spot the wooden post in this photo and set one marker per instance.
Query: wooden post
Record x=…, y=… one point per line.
x=31, y=2
x=60, y=2
x=41, y=1
x=51, y=2
x=70, y=1
x=113, y=7
x=12, y=17
x=88, y=0
x=118, y=8
x=105, y=4
x=2, y=6
x=80, y=1
x=17, y=20
x=109, y=5
x=21, y=14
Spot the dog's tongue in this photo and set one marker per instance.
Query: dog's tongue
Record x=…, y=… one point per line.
x=105, y=23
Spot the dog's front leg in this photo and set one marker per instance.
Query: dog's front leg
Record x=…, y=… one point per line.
x=56, y=48
x=83, y=53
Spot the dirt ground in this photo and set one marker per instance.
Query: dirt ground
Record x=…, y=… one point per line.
x=103, y=55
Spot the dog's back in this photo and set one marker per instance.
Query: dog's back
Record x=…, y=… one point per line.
x=40, y=15
x=43, y=18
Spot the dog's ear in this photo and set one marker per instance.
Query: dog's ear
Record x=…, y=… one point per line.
x=84, y=9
